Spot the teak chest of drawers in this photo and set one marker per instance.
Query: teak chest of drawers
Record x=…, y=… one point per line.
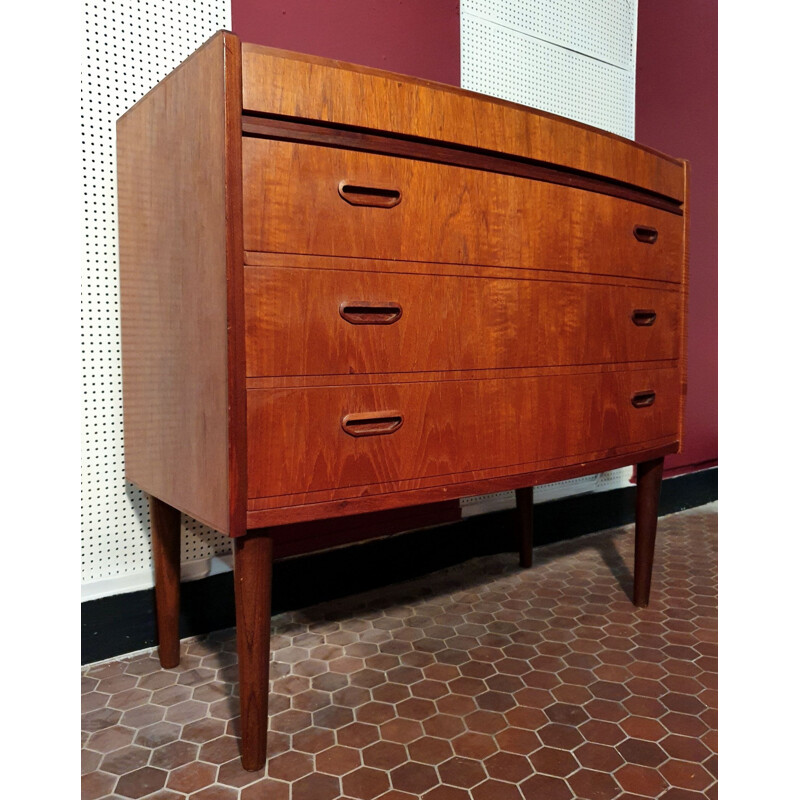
x=345, y=290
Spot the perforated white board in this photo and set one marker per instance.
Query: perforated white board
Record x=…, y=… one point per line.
x=574, y=58
x=129, y=46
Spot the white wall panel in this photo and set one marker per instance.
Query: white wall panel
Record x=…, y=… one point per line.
x=129, y=46
x=601, y=29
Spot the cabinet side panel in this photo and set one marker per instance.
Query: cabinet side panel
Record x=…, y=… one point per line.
x=172, y=244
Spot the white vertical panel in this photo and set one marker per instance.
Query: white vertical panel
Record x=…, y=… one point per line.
x=574, y=58
x=129, y=46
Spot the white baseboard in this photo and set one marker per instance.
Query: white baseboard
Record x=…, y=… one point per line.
x=136, y=581
x=589, y=484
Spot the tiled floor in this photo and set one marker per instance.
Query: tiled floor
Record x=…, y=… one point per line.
x=483, y=681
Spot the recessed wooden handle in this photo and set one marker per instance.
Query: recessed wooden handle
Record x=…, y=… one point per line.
x=643, y=317
x=359, y=312
x=368, y=195
x=645, y=234
x=372, y=423
x=643, y=399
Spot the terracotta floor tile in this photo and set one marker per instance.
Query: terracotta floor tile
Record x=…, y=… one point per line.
x=337, y=760
x=591, y=785
x=384, y=755
x=192, y=777
x=447, y=793
x=126, y=759
x=463, y=772
x=365, y=783
x=413, y=778
x=430, y=750
x=480, y=682
x=544, y=787
x=495, y=790
x=96, y=784
x=141, y=782
x=558, y=763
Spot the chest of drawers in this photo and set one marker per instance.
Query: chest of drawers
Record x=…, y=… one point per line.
x=344, y=290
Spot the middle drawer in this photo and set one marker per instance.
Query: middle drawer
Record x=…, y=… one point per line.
x=335, y=322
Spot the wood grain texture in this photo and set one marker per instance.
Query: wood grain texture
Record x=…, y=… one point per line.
x=165, y=538
x=174, y=305
x=266, y=512
x=447, y=214
x=252, y=580
x=234, y=274
x=354, y=264
x=449, y=427
x=319, y=133
x=300, y=86
x=294, y=325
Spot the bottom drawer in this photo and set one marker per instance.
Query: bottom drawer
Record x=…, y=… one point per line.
x=309, y=439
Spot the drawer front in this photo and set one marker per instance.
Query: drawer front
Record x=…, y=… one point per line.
x=301, y=198
x=310, y=439
x=332, y=322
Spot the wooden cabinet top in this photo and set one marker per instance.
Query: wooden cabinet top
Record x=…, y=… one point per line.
x=281, y=84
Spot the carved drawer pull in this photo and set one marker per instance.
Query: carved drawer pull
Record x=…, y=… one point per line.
x=643, y=399
x=368, y=195
x=372, y=423
x=364, y=313
x=645, y=234
x=643, y=317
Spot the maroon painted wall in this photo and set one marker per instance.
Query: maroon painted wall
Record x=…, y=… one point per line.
x=676, y=112
x=413, y=37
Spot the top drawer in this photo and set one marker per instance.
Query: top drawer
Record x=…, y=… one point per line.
x=301, y=198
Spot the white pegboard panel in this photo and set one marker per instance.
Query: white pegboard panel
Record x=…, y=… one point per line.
x=128, y=47
x=602, y=29
x=516, y=66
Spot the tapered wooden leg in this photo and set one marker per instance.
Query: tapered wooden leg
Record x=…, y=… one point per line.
x=648, y=490
x=165, y=534
x=253, y=584
x=525, y=525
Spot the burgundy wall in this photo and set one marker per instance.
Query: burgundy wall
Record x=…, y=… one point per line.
x=676, y=112
x=413, y=37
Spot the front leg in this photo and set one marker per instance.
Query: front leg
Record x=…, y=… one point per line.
x=165, y=535
x=253, y=586
x=648, y=491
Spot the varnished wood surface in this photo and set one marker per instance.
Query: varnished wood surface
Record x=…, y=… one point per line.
x=294, y=326
x=173, y=288
x=446, y=214
x=307, y=87
x=326, y=505
x=331, y=136
x=391, y=266
x=449, y=427
x=252, y=580
x=234, y=271
x=165, y=538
